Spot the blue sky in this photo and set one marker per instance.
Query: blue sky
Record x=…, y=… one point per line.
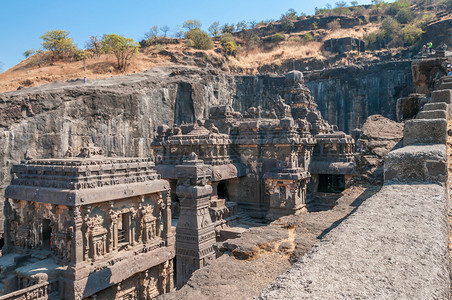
x=22, y=22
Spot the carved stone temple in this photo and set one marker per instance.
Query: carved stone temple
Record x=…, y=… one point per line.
x=263, y=161
x=87, y=228
x=94, y=227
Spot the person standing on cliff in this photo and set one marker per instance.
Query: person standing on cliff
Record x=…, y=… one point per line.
x=430, y=46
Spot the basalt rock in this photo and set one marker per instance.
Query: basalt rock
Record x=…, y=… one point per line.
x=379, y=136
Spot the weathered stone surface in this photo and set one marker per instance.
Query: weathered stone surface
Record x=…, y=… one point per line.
x=371, y=89
x=379, y=136
x=376, y=254
x=435, y=106
x=421, y=163
x=432, y=114
x=423, y=131
x=77, y=246
x=409, y=107
x=253, y=261
x=446, y=85
x=442, y=96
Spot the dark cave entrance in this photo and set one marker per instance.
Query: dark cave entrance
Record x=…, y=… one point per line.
x=46, y=234
x=331, y=183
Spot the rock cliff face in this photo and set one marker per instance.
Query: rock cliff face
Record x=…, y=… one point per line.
x=120, y=114
x=347, y=96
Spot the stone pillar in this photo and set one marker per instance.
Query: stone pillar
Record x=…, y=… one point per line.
x=9, y=216
x=195, y=232
x=167, y=234
x=77, y=244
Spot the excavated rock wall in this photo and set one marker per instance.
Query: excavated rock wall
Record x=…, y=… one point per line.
x=347, y=96
x=120, y=114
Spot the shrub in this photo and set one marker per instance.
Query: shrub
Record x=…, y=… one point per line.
x=287, y=23
x=340, y=11
x=374, y=39
x=200, y=39
x=307, y=37
x=395, y=7
x=230, y=47
x=287, y=19
x=390, y=26
x=228, y=43
x=405, y=15
x=29, y=53
x=446, y=4
x=333, y=25
x=277, y=38
x=254, y=42
x=411, y=34
x=358, y=11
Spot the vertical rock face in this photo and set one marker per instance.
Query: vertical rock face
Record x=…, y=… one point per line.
x=347, y=96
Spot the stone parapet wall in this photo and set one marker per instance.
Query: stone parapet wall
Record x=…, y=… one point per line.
x=396, y=245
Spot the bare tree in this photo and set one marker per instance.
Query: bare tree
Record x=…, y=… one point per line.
x=152, y=33
x=95, y=45
x=214, y=29
x=165, y=30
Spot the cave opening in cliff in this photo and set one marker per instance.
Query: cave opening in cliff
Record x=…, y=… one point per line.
x=331, y=183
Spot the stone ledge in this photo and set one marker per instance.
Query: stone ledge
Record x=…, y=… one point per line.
x=446, y=85
x=431, y=131
x=395, y=246
x=442, y=96
x=435, y=106
x=432, y=114
x=422, y=163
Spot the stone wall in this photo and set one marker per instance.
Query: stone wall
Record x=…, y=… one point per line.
x=347, y=96
x=396, y=245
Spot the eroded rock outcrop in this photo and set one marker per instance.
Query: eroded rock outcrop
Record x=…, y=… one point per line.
x=379, y=136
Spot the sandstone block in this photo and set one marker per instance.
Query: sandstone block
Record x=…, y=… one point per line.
x=444, y=95
x=446, y=85
x=435, y=106
x=423, y=131
x=422, y=163
x=432, y=114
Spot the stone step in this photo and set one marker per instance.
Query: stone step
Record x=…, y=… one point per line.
x=432, y=114
x=447, y=79
x=435, y=106
x=444, y=95
x=446, y=85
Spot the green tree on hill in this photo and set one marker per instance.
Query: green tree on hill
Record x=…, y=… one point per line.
x=59, y=42
x=123, y=48
x=199, y=39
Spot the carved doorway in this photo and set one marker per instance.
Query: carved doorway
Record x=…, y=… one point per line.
x=46, y=234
